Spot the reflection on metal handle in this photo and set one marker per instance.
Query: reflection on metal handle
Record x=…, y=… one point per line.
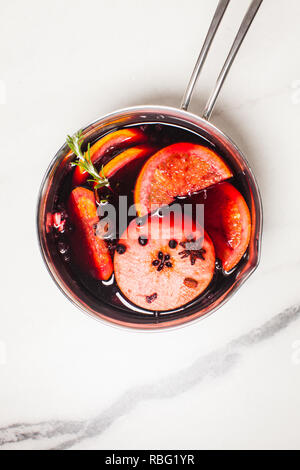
x=246, y=23
x=221, y=8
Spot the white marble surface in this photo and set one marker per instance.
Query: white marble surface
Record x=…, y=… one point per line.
x=230, y=381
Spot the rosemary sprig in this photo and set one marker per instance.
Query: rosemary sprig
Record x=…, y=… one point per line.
x=84, y=160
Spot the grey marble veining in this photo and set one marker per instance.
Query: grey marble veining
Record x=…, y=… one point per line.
x=67, y=433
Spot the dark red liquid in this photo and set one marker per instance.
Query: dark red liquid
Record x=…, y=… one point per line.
x=123, y=183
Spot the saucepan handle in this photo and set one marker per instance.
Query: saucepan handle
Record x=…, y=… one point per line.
x=245, y=25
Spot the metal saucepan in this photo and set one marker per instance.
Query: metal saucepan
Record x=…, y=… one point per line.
x=140, y=115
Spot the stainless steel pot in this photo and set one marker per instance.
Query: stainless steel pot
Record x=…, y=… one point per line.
x=172, y=116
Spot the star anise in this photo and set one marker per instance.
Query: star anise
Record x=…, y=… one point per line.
x=192, y=249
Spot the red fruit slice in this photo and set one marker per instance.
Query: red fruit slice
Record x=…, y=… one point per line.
x=158, y=268
x=115, y=140
x=133, y=154
x=177, y=170
x=90, y=250
x=228, y=222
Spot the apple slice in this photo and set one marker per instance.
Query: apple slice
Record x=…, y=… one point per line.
x=113, y=141
x=164, y=263
x=177, y=170
x=228, y=222
x=89, y=250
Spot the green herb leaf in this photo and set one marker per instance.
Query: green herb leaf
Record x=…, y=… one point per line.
x=85, y=162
